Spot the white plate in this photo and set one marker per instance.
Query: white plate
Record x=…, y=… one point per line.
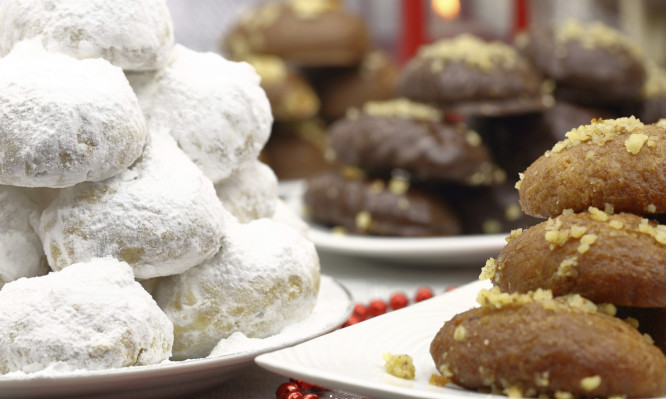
x=433, y=251
x=334, y=305
x=350, y=359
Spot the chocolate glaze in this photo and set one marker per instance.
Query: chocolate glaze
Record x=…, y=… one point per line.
x=334, y=200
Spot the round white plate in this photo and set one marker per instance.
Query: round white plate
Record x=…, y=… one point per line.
x=433, y=251
x=334, y=305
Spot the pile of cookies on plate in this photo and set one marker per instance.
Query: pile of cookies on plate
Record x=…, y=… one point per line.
x=577, y=307
x=137, y=223
x=471, y=114
x=316, y=59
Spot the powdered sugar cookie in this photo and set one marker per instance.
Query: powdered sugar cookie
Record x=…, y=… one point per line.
x=90, y=316
x=250, y=193
x=215, y=109
x=21, y=253
x=135, y=35
x=161, y=216
x=265, y=277
x=64, y=121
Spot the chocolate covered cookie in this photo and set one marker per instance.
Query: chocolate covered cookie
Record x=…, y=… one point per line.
x=402, y=134
x=291, y=96
x=472, y=77
x=377, y=207
x=592, y=63
x=303, y=32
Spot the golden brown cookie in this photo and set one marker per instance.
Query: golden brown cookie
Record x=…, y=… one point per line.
x=526, y=345
x=619, y=259
x=620, y=162
x=303, y=32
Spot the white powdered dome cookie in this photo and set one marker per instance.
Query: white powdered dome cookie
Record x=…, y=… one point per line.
x=21, y=253
x=64, y=121
x=250, y=193
x=131, y=34
x=215, y=109
x=91, y=316
x=265, y=277
x=161, y=216
x=284, y=214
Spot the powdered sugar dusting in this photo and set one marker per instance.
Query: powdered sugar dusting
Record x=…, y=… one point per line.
x=132, y=34
x=214, y=108
x=64, y=121
x=265, y=277
x=250, y=193
x=91, y=316
x=21, y=253
x=161, y=216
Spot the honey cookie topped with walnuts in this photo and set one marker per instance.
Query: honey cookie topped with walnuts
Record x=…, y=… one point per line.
x=529, y=345
x=620, y=162
x=614, y=258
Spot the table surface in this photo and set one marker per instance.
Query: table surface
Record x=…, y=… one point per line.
x=366, y=279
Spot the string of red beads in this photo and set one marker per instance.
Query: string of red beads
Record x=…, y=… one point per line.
x=297, y=389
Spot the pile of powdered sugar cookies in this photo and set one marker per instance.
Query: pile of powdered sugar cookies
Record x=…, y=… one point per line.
x=136, y=223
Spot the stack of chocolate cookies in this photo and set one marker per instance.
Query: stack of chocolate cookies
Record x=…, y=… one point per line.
x=419, y=137
x=316, y=59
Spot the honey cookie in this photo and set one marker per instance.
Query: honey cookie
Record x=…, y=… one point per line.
x=470, y=76
x=377, y=207
x=402, y=134
x=614, y=258
x=651, y=321
x=592, y=63
x=302, y=32
x=619, y=162
x=527, y=345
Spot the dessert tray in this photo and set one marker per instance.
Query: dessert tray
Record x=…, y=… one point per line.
x=350, y=359
x=169, y=379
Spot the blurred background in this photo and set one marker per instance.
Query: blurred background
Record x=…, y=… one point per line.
x=199, y=24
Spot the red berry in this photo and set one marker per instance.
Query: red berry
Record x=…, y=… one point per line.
x=353, y=319
x=311, y=396
x=376, y=307
x=285, y=389
x=294, y=395
x=398, y=301
x=450, y=288
x=361, y=311
x=423, y=294
x=304, y=386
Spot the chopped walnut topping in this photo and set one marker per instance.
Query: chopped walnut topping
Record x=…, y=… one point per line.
x=472, y=51
x=403, y=108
